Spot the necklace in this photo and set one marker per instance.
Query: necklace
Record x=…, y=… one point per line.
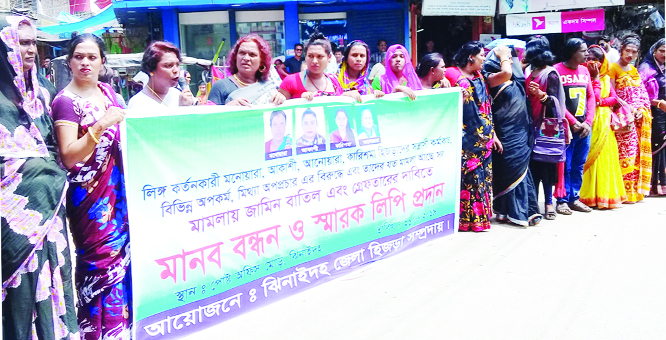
x=240, y=82
x=315, y=85
x=155, y=93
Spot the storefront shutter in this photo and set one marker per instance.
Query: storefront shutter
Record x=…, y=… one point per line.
x=370, y=26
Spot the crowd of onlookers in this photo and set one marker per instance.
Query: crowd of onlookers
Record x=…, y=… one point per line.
x=590, y=129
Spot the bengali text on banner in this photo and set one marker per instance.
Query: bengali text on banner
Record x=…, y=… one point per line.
x=233, y=209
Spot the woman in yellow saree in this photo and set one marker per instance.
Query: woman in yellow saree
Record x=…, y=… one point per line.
x=603, y=186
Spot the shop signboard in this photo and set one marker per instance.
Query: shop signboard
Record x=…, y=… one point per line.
x=525, y=6
x=460, y=7
x=554, y=22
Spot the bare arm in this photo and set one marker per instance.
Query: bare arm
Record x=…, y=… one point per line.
x=73, y=149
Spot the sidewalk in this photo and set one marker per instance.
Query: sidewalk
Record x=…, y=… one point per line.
x=600, y=275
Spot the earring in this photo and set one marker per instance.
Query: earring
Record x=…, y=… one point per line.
x=262, y=68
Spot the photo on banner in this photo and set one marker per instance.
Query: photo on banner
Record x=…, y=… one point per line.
x=341, y=126
x=368, y=128
x=310, y=130
x=277, y=134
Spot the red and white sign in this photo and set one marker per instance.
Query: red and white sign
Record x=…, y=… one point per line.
x=564, y=22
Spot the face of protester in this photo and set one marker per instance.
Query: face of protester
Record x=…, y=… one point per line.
x=167, y=70
x=341, y=121
x=27, y=46
x=605, y=45
x=438, y=72
x=580, y=56
x=358, y=58
x=430, y=45
x=382, y=46
x=338, y=57
x=397, y=62
x=188, y=78
x=47, y=62
x=660, y=54
x=309, y=126
x=478, y=60
x=278, y=125
x=629, y=53
x=202, y=89
x=316, y=59
x=367, y=120
x=86, y=61
x=298, y=51
x=248, y=59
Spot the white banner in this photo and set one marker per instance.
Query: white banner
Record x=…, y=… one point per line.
x=524, y=6
x=460, y=7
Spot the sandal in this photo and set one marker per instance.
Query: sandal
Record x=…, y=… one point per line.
x=580, y=206
x=563, y=208
x=550, y=213
x=536, y=220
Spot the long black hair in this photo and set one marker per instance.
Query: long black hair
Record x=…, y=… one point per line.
x=467, y=50
x=537, y=52
x=318, y=39
x=79, y=38
x=428, y=62
x=571, y=47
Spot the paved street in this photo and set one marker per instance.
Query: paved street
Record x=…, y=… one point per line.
x=587, y=276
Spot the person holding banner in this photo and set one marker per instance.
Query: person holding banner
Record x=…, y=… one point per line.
x=37, y=295
x=353, y=73
x=652, y=73
x=400, y=75
x=250, y=83
x=431, y=70
x=478, y=138
x=515, y=197
x=161, y=61
x=313, y=81
x=87, y=116
x=602, y=178
x=634, y=138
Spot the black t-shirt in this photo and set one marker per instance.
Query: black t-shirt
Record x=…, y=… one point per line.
x=293, y=65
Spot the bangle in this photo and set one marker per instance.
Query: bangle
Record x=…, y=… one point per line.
x=544, y=98
x=503, y=60
x=92, y=135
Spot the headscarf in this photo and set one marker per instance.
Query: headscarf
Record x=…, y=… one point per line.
x=605, y=66
x=652, y=63
x=31, y=103
x=389, y=80
x=361, y=84
x=19, y=136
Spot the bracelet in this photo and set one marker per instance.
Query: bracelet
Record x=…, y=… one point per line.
x=544, y=98
x=503, y=60
x=92, y=135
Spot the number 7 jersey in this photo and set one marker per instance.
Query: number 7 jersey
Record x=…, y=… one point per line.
x=579, y=94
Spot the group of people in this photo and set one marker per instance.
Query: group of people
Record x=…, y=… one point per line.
x=61, y=158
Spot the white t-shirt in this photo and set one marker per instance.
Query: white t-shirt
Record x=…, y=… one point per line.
x=613, y=56
x=141, y=100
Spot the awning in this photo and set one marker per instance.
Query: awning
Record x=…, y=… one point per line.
x=105, y=19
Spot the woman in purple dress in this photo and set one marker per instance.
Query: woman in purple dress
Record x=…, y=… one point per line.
x=86, y=114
